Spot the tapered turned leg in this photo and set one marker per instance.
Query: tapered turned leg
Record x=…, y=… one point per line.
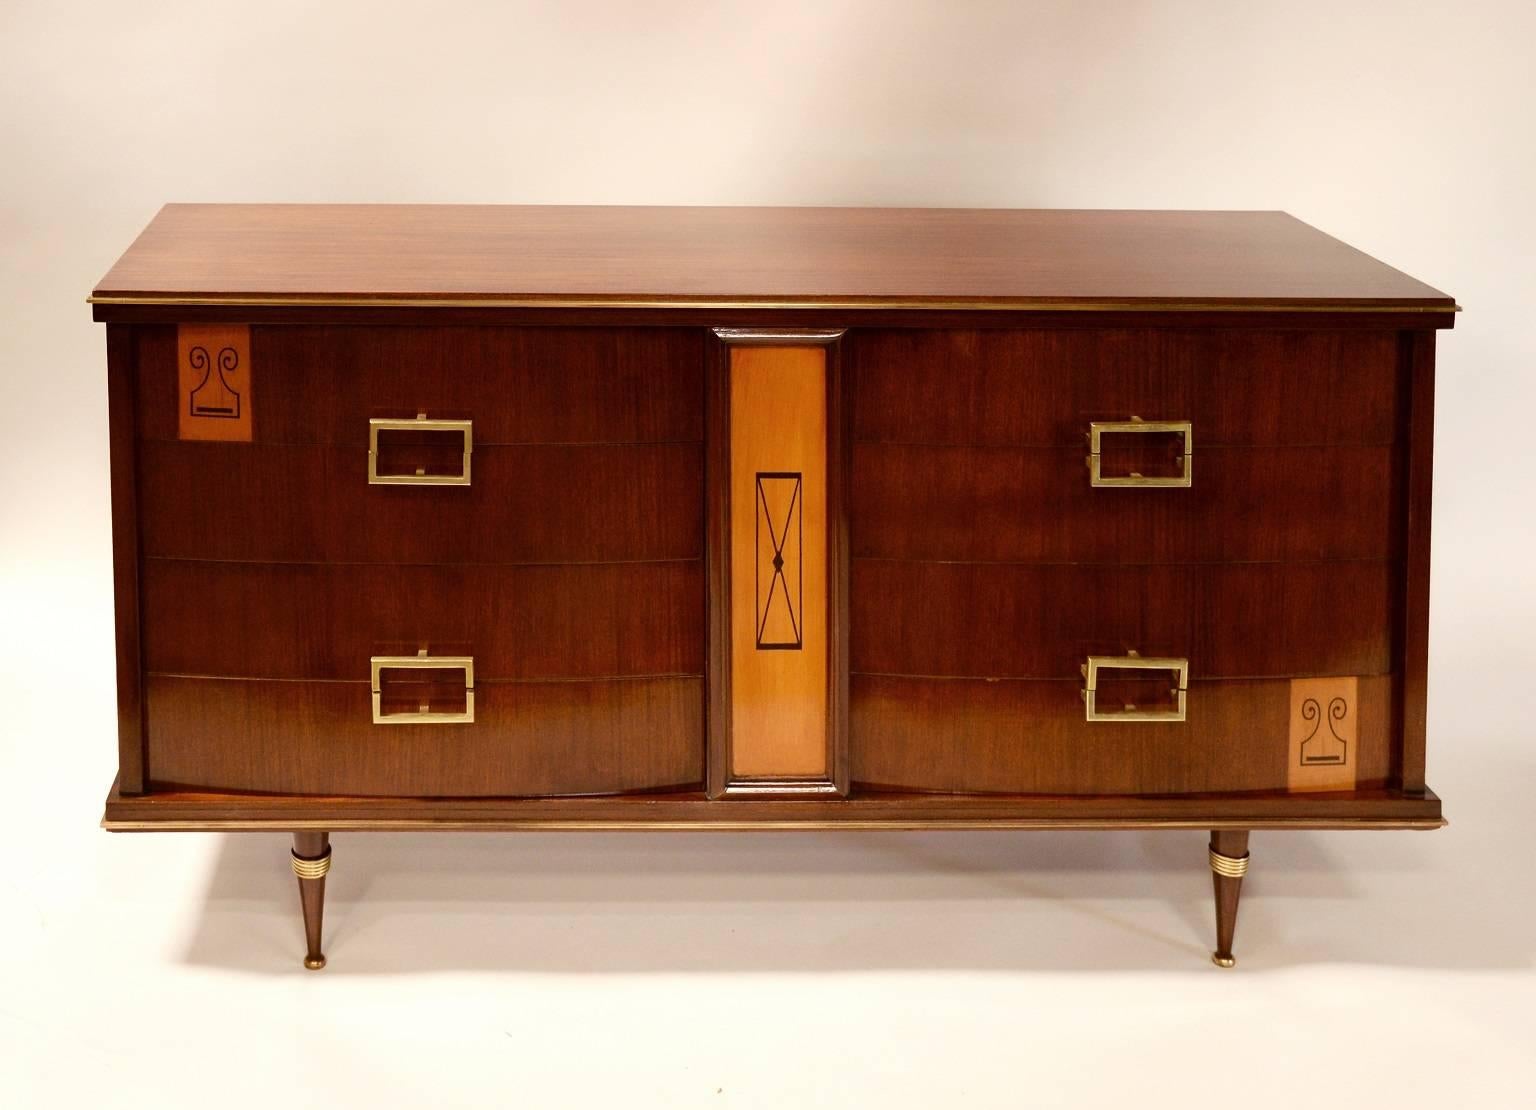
x=311, y=860
x=1229, y=863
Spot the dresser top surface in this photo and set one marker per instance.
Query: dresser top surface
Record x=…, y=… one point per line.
x=753, y=257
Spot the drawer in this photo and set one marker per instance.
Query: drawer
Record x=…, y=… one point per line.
x=1029, y=737
x=524, y=503
x=519, y=385
x=1035, y=504
x=1001, y=620
x=1015, y=387
x=528, y=739
x=519, y=623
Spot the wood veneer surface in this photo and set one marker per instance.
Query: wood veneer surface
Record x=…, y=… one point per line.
x=1021, y=256
x=778, y=407
x=528, y=738
x=1029, y=737
x=1016, y=387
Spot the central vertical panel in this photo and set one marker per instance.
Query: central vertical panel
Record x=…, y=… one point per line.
x=778, y=562
x=777, y=671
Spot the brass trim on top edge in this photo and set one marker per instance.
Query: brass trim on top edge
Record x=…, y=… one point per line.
x=865, y=303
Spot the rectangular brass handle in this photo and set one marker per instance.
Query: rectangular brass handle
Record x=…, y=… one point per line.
x=423, y=662
x=1179, y=668
x=419, y=424
x=1134, y=426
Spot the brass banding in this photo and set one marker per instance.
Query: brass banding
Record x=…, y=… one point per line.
x=310, y=868
x=1230, y=867
x=1002, y=304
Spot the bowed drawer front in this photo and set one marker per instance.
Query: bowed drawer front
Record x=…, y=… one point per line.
x=1017, y=501
x=526, y=499
x=1023, y=500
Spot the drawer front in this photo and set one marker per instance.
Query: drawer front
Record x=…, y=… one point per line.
x=1029, y=737
x=1035, y=504
x=568, y=569
x=313, y=503
x=969, y=677
x=995, y=620
x=586, y=446
x=1002, y=387
x=987, y=568
x=519, y=623
x=528, y=739
x=587, y=679
x=519, y=385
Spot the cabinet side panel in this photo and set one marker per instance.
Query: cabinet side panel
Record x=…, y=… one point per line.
x=122, y=365
x=1419, y=355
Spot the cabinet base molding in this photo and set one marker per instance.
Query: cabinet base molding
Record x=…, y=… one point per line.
x=167, y=810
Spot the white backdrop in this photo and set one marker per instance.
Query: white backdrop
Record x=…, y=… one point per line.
x=794, y=970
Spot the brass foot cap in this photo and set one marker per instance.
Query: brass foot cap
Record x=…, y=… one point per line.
x=314, y=963
x=1216, y=958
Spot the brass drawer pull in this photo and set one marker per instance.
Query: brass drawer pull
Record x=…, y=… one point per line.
x=1179, y=668
x=423, y=662
x=1134, y=426
x=420, y=478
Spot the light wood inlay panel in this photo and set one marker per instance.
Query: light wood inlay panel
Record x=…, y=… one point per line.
x=1325, y=734
x=213, y=373
x=778, y=596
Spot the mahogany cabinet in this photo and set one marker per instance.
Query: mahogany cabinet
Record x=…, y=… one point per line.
x=532, y=518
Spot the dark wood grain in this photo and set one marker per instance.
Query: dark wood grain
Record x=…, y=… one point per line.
x=124, y=459
x=537, y=503
x=768, y=255
x=518, y=622
x=1035, y=504
x=1017, y=387
x=519, y=385
x=527, y=739
x=1029, y=737
x=1419, y=359
x=1007, y=620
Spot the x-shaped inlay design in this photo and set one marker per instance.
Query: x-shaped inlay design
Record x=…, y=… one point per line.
x=779, y=516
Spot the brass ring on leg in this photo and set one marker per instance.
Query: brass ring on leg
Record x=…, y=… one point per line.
x=1229, y=867
x=311, y=868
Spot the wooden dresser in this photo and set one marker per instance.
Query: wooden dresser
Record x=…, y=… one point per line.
x=594, y=518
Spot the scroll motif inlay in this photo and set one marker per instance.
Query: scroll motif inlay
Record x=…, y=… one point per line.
x=1325, y=731
x=214, y=377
